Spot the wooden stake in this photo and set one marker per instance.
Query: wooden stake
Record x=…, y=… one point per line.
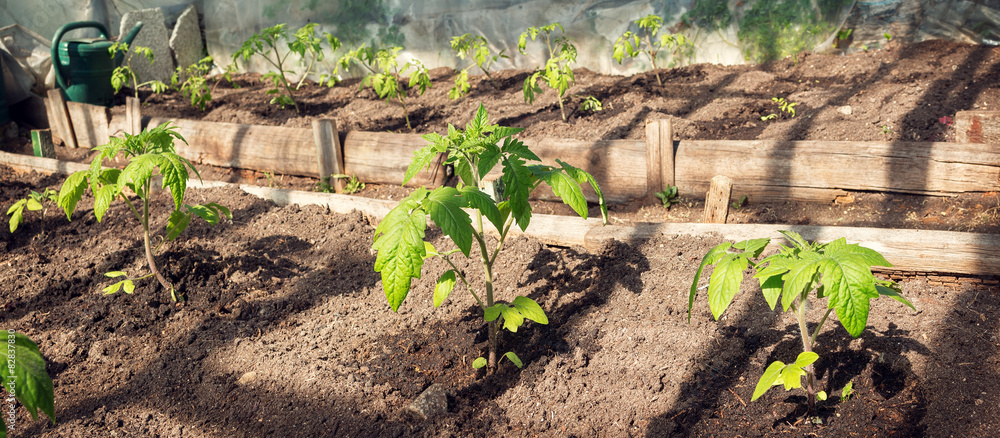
x=328, y=152
x=59, y=121
x=133, y=117
x=41, y=141
x=659, y=155
x=90, y=123
x=717, y=200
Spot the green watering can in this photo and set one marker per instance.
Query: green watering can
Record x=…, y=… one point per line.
x=83, y=66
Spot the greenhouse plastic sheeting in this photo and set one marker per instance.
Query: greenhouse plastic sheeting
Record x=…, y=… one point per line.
x=724, y=32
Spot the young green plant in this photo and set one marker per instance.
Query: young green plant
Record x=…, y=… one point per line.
x=591, y=104
x=556, y=72
x=477, y=48
x=34, y=202
x=399, y=238
x=304, y=43
x=837, y=271
x=23, y=376
x=150, y=150
x=631, y=45
x=124, y=74
x=191, y=82
x=668, y=196
x=385, y=74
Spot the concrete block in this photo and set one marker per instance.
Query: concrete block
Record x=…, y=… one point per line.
x=977, y=127
x=185, y=41
x=153, y=35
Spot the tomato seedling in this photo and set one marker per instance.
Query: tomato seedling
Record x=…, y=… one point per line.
x=123, y=74
x=837, y=271
x=385, y=74
x=474, y=152
x=556, y=72
x=34, y=202
x=151, y=149
x=476, y=48
x=631, y=45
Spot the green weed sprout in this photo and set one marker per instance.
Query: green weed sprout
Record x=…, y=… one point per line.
x=837, y=271
x=476, y=48
x=668, y=196
x=631, y=45
x=399, y=238
x=591, y=104
x=557, y=72
x=385, y=74
x=151, y=149
x=34, y=202
x=124, y=74
x=191, y=82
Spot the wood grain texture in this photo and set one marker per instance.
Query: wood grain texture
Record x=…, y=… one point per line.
x=659, y=156
x=59, y=120
x=276, y=149
x=329, y=155
x=383, y=157
x=133, y=116
x=90, y=124
x=978, y=127
x=717, y=200
x=818, y=171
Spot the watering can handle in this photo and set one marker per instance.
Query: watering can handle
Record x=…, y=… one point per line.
x=56, y=65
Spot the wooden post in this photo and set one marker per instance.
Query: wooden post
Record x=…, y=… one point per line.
x=90, y=123
x=41, y=141
x=133, y=117
x=717, y=200
x=59, y=121
x=328, y=152
x=659, y=155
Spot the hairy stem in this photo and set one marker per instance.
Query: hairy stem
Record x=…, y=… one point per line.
x=807, y=343
x=149, y=247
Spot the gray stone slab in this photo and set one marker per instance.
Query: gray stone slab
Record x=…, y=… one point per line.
x=186, y=41
x=153, y=35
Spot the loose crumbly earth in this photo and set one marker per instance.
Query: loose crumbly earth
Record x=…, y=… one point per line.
x=287, y=332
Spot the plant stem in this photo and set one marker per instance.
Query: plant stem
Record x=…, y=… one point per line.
x=807, y=343
x=149, y=247
x=652, y=58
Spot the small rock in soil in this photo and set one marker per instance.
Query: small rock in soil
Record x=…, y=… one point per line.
x=433, y=401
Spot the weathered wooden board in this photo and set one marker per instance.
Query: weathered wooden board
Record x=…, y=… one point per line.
x=659, y=156
x=908, y=250
x=267, y=148
x=820, y=170
x=329, y=154
x=383, y=157
x=62, y=127
x=978, y=127
x=27, y=163
x=90, y=124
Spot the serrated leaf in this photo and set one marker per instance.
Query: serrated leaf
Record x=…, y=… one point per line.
x=175, y=176
x=176, y=224
x=800, y=279
x=771, y=287
x=444, y=286
x=488, y=159
x=518, y=179
x=102, y=200
x=422, y=159
x=771, y=375
x=480, y=121
x=484, y=203
x=445, y=204
x=530, y=309
x=725, y=282
x=513, y=359
x=493, y=312
x=71, y=191
x=889, y=289
x=479, y=362
x=32, y=385
x=399, y=243
x=565, y=187
x=512, y=319
x=711, y=258
x=429, y=250
x=795, y=239
x=753, y=246
x=582, y=177
x=849, y=285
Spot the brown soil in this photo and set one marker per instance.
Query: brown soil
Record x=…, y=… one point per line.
x=287, y=332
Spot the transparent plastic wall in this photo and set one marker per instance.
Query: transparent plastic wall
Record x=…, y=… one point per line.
x=724, y=32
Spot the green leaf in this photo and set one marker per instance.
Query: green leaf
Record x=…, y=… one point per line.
x=754, y=246
x=712, y=257
x=399, y=243
x=128, y=286
x=176, y=224
x=71, y=191
x=422, y=159
x=479, y=362
x=113, y=288
x=530, y=309
x=32, y=385
x=563, y=186
x=800, y=279
x=444, y=204
x=791, y=376
x=115, y=274
x=513, y=359
x=444, y=286
x=795, y=238
x=806, y=358
x=175, y=176
x=767, y=380
x=518, y=180
x=821, y=396
x=16, y=213
x=890, y=289
x=725, y=282
x=475, y=127
x=771, y=287
x=488, y=159
x=484, y=203
x=33, y=205
x=102, y=201
x=512, y=319
x=493, y=312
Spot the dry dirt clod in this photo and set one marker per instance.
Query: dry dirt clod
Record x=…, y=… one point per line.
x=433, y=401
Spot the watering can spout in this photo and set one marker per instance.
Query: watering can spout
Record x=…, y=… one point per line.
x=132, y=33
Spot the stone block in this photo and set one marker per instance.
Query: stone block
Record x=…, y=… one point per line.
x=153, y=35
x=185, y=41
